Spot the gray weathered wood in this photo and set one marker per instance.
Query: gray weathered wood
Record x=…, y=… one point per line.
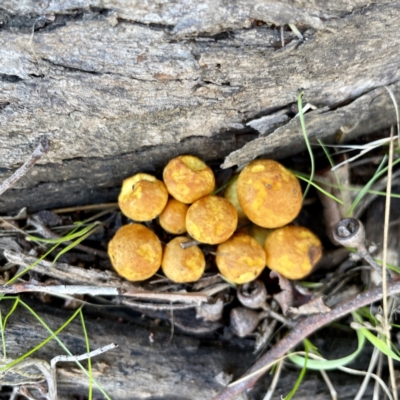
x=147, y=364
x=121, y=86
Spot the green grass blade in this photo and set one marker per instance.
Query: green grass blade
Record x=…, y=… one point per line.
x=302, y=372
x=54, y=335
x=332, y=164
x=326, y=365
x=40, y=345
x=15, y=277
x=310, y=183
x=303, y=128
x=3, y=340
x=366, y=187
x=73, y=244
x=70, y=236
x=90, y=395
x=379, y=344
x=233, y=179
x=13, y=308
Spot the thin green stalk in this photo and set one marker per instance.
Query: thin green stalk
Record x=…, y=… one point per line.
x=310, y=183
x=366, y=187
x=328, y=156
x=303, y=128
x=40, y=345
x=90, y=396
x=13, y=308
x=54, y=335
x=3, y=340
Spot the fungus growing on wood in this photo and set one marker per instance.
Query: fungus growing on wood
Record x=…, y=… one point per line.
x=240, y=259
x=211, y=220
x=135, y=252
x=182, y=265
x=292, y=251
x=188, y=179
x=143, y=197
x=230, y=194
x=269, y=194
x=173, y=217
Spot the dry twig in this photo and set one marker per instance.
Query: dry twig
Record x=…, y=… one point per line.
x=302, y=330
x=43, y=147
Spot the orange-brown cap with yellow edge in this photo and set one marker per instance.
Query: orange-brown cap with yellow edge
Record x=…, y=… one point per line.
x=143, y=197
x=183, y=265
x=188, y=179
x=211, y=220
x=292, y=251
x=240, y=259
x=135, y=252
x=269, y=194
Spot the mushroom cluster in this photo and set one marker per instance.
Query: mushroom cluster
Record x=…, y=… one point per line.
x=248, y=225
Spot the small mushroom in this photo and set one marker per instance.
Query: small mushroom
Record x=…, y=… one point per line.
x=143, y=197
x=240, y=259
x=173, y=217
x=269, y=194
x=292, y=251
x=188, y=179
x=211, y=220
x=182, y=265
x=230, y=194
x=135, y=252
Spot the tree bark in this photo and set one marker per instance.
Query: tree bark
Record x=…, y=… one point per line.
x=148, y=364
x=118, y=87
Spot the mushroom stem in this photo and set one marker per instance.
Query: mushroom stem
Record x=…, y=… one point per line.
x=349, y=232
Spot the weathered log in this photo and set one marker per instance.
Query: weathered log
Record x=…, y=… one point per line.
x=147, y=364
x=121, y=86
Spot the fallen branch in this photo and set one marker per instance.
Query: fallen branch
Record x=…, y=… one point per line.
x=20, y=172
x=98, y=282
x=301, y=331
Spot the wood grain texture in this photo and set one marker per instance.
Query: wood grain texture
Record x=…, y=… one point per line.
x=183, y=368
x=108, y=80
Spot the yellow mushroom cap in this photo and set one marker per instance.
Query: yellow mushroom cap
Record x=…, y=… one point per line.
x=211, y=220
x=142, y=197
x=135, y=252
x=292, y=251
x=240, y=259
x=188, y=179
x=183, y=265
x=230, y=194
x=269, y=194
x=173, y=217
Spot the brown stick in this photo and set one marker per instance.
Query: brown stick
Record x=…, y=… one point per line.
x=301, y=331
x=20, y=172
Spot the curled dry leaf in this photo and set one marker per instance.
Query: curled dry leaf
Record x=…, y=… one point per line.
x=314, y=306
x=210, y=311
x=285, y=298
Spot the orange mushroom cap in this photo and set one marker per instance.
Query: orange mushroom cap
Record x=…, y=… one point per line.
x=269, y=194
x=292, y=251
x=135, y=252
x=230, y=194
x=240, y=259
x=173, y=217
x=188, y=179
x=211, y=220
x=183, y=265
x=142, y=197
